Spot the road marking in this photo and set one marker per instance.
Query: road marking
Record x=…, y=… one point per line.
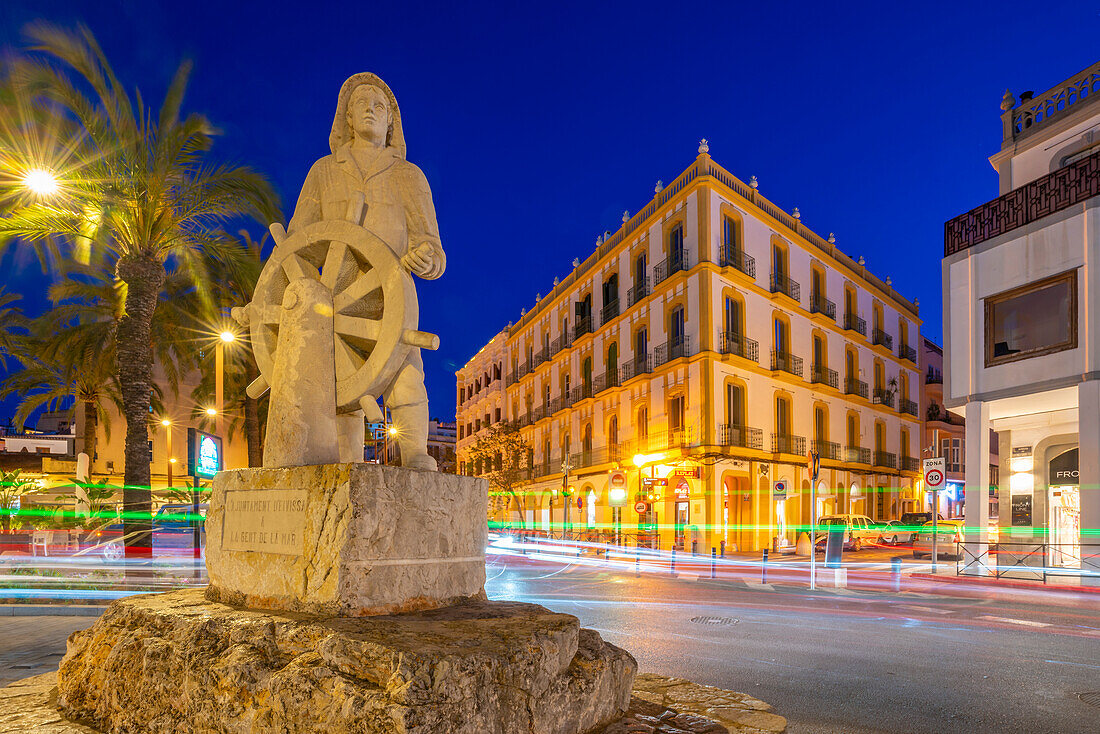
x=927, y=609
x=1025, y=622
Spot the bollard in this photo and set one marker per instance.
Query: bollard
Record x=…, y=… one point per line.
x=764, y=568
x=723, y=544
x=895, y=571
x=713, y=562
x=637, y=561
x=672, y=563
x=695, y=547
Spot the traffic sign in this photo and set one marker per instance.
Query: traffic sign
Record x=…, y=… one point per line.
x=641, y=507
x=934, y=473
x=779, y=489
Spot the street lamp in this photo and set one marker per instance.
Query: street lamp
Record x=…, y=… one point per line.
x=226, y=337
x=41, y=182
x=168, y=447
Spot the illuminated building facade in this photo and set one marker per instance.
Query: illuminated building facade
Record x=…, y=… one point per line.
x=698, y=354
x=1021, y=335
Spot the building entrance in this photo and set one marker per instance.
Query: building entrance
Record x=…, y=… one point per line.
x=681, y=522
x=1064, y=501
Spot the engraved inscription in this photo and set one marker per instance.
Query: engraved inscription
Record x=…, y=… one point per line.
x=265, y=520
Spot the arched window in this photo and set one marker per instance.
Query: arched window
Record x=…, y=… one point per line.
x=676, y=332
x=643, y=422
x=821, y=425
x=586, y=376
x=612, y=364
x=731, y=235
x=613, y=431
x=735, y=405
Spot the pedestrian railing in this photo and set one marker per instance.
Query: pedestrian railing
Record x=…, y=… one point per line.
x=1029, y=561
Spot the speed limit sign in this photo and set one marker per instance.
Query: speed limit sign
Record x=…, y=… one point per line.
x=934, y=473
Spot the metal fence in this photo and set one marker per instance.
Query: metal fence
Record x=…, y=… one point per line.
x=1030, y=561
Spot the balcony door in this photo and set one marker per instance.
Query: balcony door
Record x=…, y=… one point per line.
x=676, y=330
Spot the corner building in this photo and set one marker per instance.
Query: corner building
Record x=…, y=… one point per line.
x=699, y=354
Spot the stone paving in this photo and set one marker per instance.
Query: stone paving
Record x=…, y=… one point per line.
x=663, y=705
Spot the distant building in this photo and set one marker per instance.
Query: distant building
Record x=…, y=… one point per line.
x=675, y=380
x=1022, y=328
x=441, y=446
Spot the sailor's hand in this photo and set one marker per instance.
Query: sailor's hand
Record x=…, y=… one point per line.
x=421, y=260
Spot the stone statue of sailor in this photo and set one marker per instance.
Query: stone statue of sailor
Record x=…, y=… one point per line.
x=368, y=158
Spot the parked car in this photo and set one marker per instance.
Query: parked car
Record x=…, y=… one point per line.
x=859, y=530
x=173, y=534
x=893, y=532
x=913, y=521
x=948, y=534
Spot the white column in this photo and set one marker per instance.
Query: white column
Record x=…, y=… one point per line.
x=975, y=560
x=1088, y=416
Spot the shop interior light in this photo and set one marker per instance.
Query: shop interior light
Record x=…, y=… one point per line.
x=1023, y=464
x=1021, y=482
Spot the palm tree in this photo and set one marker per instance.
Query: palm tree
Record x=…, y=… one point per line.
x=12, y=324
x=141, y=188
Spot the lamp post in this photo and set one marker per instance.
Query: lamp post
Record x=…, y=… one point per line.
x=226, y=337
x=168, y=447
x=565, y=496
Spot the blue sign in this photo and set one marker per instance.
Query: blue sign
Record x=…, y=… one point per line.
x=204, y=454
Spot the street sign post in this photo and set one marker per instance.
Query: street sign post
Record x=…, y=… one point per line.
x=935, y=476
x=813, y=463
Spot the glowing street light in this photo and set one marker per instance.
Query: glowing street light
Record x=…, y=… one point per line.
x=168, y=447
x=228, y=336
x=41, y=182
x=211, y=411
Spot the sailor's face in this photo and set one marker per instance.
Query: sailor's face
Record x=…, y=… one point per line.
x=369, y=114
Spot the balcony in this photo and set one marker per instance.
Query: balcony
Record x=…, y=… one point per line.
x=607, y=380
x=855, y=323
x=824, y=376
x=886, y=459
x=583, y=326
x=579, y=393
x=910, y=463
x=730, y=342
x=676, y=262
x=881, y=338
x=672, y=349
x=826, y=449
x=558, y=404
x=609, y=312
x=783, y=444
x=825, y=307
x=781, y=283
x=638, y=366
x=589, y=457
x=537, y=414
x=1040, y=198
x=853, y=386
x=905, y=405
x=638, y=292
x=561, y=343
x=907, y=352
x=730, y=434
x=540, y=357
x=732, y=257
x=784, y=362
x=933, y=378
x=857, y=455
x=883, y=397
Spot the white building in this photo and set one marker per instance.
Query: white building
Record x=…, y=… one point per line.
x=1022, y=330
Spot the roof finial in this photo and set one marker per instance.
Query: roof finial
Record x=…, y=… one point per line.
x=889, y=280
x=832, y=238
x=796, y=214
x=555, y=281
x=1007, y=101
x=576, y=262
x=860, y=261
x=703, y=147
x=626, y=216
x=753, y=182
x=658, y=187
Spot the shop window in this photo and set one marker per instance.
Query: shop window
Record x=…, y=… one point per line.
x=1033, y=320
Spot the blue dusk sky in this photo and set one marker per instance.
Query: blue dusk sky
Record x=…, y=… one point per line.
x=537, y=124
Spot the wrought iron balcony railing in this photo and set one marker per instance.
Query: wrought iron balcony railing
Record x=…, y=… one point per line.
x=882, y=397
x=609, y=312
x=731, y=434
x=579, y=393
x=785, y=362
x=855, y=323
x=638, y=292
x=820, y=304
x=781, y=283
x=730, y=342
x=857, y=455
x=642, y=365
x=730, y=256
x=907, y=352
x=672, y=349
x=824, y=376
x=885, y=458
x=905, y=405
x=1042, y=197
x=910, y=463
x=676, y=262
x=558, y=404
x=540, y=357
x=853, y=386
x=878, y=336
x=559, y=344
x=783, y=444
x=826, y=449
x=582, y=327
x=607, y=380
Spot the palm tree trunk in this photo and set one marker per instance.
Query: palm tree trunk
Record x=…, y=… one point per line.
x=91, y=418
x=144, y=278
x=252, y=416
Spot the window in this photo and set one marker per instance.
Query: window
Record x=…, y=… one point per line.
x=783, y=416
x=676, y=413
x=639, y=271
x=612, y=361
x=611, y=290
x=849, y=301
x=461, y=432
x=643, y=422
x=782, y=337
x=640, y=345
x=817, y=286
x=676, y=328
x=819, y=352
x=851, y=365
x=586, y=375
x=613, y=431
x=731, y=233
x=853, y=431
x=461, y=395
x=779, y=262
x=1032, y=320
x=735, y=405
x=733, y=316
x=904, y=443
x=821, y=426
x=880, y=437
x=676, y=242
x=496, y=415
x=953, y=451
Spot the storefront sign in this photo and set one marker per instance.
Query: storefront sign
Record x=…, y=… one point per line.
x=1021, y=510
x=683, y=489
x=1018, y=451
x=692, y=472
x=1064, y=469
x=204, y=454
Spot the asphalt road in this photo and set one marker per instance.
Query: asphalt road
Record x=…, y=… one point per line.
x=844, y=661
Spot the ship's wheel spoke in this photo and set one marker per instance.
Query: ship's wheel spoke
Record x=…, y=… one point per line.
x=357, y=327
x=347, y=360
x=361, y=286
x=334, y=260
x=295, y=266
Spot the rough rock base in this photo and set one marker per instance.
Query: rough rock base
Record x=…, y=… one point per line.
x=176, y=662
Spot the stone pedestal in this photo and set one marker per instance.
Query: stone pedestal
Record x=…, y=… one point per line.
x=177, y=662
x=346, y=539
